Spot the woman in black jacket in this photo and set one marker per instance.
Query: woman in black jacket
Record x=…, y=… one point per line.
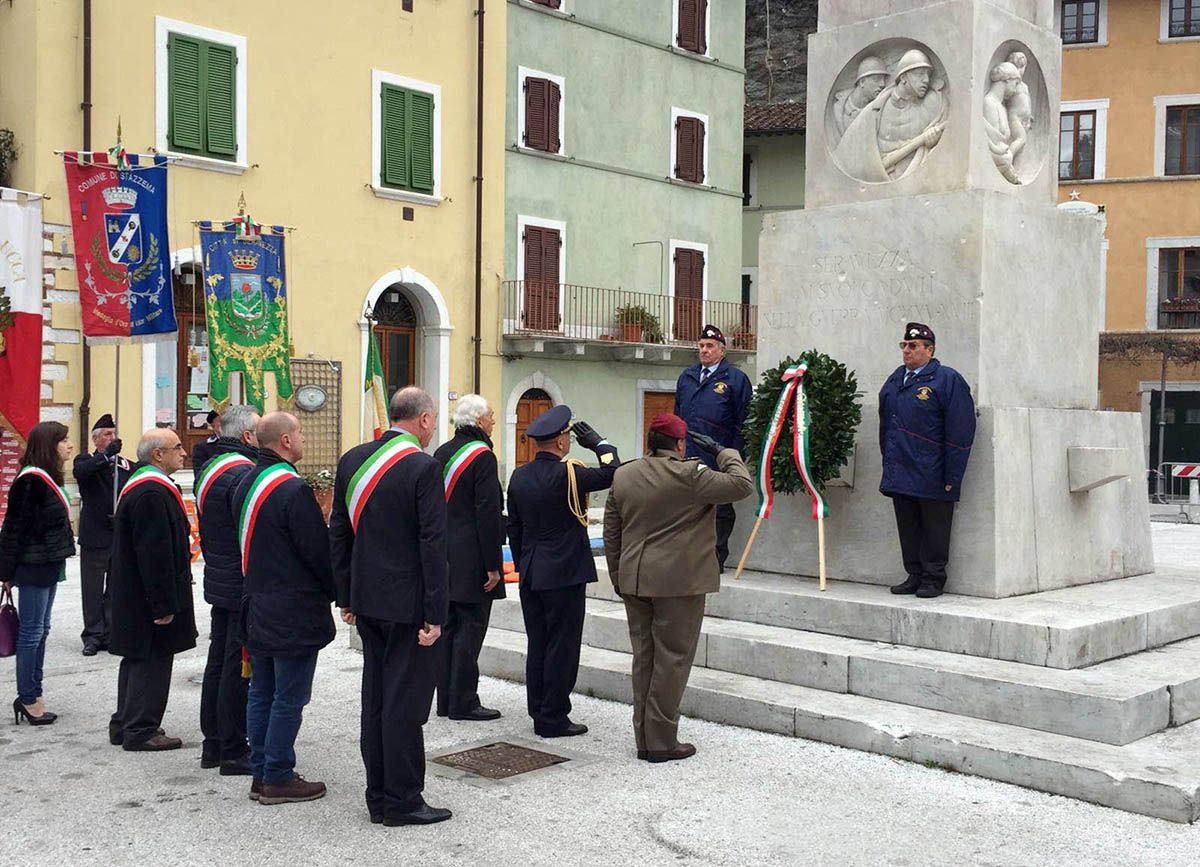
x=35, y=542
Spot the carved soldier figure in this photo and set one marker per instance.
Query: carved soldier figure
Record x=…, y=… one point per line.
x=1002, y=142
x=871, y=79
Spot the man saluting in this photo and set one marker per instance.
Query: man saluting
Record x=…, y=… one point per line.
x=388, y=530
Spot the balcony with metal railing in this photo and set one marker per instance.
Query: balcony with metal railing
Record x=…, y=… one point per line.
x=590, y=321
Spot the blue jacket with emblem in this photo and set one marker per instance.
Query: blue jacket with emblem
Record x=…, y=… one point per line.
x=925, y=432
x=716, y=409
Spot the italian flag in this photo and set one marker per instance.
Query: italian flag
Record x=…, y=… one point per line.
x=373, y=383
x=20, y=311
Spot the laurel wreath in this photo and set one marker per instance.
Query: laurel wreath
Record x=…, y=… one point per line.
x=6, y=317
x=148, y=266
x=835, y=410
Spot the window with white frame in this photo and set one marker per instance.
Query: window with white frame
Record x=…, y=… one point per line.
x=691, y=25
x=406, y=138
x=200, y=95
x=1083, y=139
x=688, y=289
x=1180, y=19
x=1177, y=135
x=689, y=146
x=541, y=115
x=1173, y=282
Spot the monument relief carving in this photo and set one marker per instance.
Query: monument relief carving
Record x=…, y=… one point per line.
x=1015, y=108
x=887, y=111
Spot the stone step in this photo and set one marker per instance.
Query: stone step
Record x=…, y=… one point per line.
x=1116, y=702
x=1070, y=628
x=1156, y=776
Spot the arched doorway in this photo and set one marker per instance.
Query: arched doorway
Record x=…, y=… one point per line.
x=533, y=403
x=396, y=332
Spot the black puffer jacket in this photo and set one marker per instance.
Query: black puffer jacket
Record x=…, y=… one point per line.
x=37, y=529
x=218, y=529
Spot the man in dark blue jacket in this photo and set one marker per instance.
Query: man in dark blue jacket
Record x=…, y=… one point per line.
x=223, y=693
x=926, y=427
x=547, y=531
x=388, y=534
x=712, y=397
x=285, y=614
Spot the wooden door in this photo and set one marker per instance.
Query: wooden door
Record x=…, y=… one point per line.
x=653, y=403
x=396, y=356
x=192, y=403
x=689, y=294
x=542, y=253
x=532, y=404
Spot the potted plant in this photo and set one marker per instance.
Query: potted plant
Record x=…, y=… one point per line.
x=639, y=325
x=321, y=482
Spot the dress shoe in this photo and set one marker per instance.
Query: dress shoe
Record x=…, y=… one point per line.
x=20, y=712
x=928, y=590
x=255, y=789
x=209, y=762
x=154, y=744
x=442, y=712
x=295, y=790
x=683, y=751
x=908, y=585
x=427, y=815
x=236, y=768
x=643, y=755
x=90, y=650
x=570, y=731
x=376, y=818
x=479, y=714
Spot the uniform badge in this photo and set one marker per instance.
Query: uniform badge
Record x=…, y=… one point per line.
x=720, y=388
x=606, y=459
x=924, y=392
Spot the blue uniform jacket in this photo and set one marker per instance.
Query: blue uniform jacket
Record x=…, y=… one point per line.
x=716, y=409
x=925, y=432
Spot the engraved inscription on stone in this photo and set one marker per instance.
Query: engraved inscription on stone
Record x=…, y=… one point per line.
x=887, y=111
x=1015, y=113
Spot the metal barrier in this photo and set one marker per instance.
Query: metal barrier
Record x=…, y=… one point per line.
x=1177, y=483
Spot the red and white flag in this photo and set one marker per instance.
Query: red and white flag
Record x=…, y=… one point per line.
x=20, y=310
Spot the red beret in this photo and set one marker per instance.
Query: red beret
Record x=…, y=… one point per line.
x=669, y=424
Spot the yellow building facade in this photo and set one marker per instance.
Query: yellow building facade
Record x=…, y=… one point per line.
x=309, y=147
x=1130, y=142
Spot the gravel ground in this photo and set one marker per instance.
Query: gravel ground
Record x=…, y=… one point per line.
x=747, y=798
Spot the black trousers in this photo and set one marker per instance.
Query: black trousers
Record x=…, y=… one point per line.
x=924, y=527
x=223, y=692
x=97, y=609
x=554, y=631
x=726, y=517
x=143, y=686
x=458, y=684
x=397, y=690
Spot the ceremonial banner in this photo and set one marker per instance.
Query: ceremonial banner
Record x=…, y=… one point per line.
x=245, y=304
x=122, y=255
x=374, y=384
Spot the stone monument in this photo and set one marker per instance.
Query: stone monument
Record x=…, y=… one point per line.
x=930, y=197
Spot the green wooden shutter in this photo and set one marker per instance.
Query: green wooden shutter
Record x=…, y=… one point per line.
x=420, y=141
x=220, y=100
x=183, y=93
x=394, y=147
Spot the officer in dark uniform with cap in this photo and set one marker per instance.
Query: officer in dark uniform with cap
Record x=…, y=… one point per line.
x=95, y=474
x=547, y=530
x=926, y=427
x=712, y=397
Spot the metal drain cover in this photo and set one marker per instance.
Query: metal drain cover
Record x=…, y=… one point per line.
x=500, y=760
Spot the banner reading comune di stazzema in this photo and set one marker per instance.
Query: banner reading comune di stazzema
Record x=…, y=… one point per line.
x=123, y=256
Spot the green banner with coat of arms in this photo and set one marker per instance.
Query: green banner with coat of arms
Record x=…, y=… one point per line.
x=245, y=305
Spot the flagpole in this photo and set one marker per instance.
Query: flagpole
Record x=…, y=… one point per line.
x=749, y=544
x=117, y=410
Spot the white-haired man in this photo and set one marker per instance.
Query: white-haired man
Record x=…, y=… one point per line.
x=474, y=545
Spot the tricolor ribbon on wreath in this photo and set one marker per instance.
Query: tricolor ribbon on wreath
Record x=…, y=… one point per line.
x=794, y=397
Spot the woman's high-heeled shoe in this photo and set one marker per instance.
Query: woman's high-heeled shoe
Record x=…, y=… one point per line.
x=19, y=711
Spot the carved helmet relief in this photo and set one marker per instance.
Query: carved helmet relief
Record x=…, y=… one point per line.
x=1016, y=111
x=887, y=111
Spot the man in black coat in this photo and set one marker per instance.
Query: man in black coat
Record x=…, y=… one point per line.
x=388, y=534
x=285, y=615
x=547, y=531
x=205, y=451
x=95, y=475
x=474, y=543
x=223, y=693
x=151, y=586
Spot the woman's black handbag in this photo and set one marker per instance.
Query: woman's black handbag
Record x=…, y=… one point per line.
x=10, y=624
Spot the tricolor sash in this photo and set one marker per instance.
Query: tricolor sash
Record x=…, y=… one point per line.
x=268, y=480
x=54, y=486
x=215, y=468
x=363, y=482
x=791, y=396
x=458, y=464
x=151, y=475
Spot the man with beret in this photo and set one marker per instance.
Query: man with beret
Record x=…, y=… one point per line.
x=659, y=533
x=547, y=531
x=96, y=474
x=204, y=452
x=712, y=397
x=926, y=427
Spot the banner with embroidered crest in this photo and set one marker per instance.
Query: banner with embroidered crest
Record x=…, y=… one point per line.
x=245, y=305
x=122, y=254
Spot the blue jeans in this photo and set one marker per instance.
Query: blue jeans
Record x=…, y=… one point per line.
x=33, y=605
x=280, y=687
